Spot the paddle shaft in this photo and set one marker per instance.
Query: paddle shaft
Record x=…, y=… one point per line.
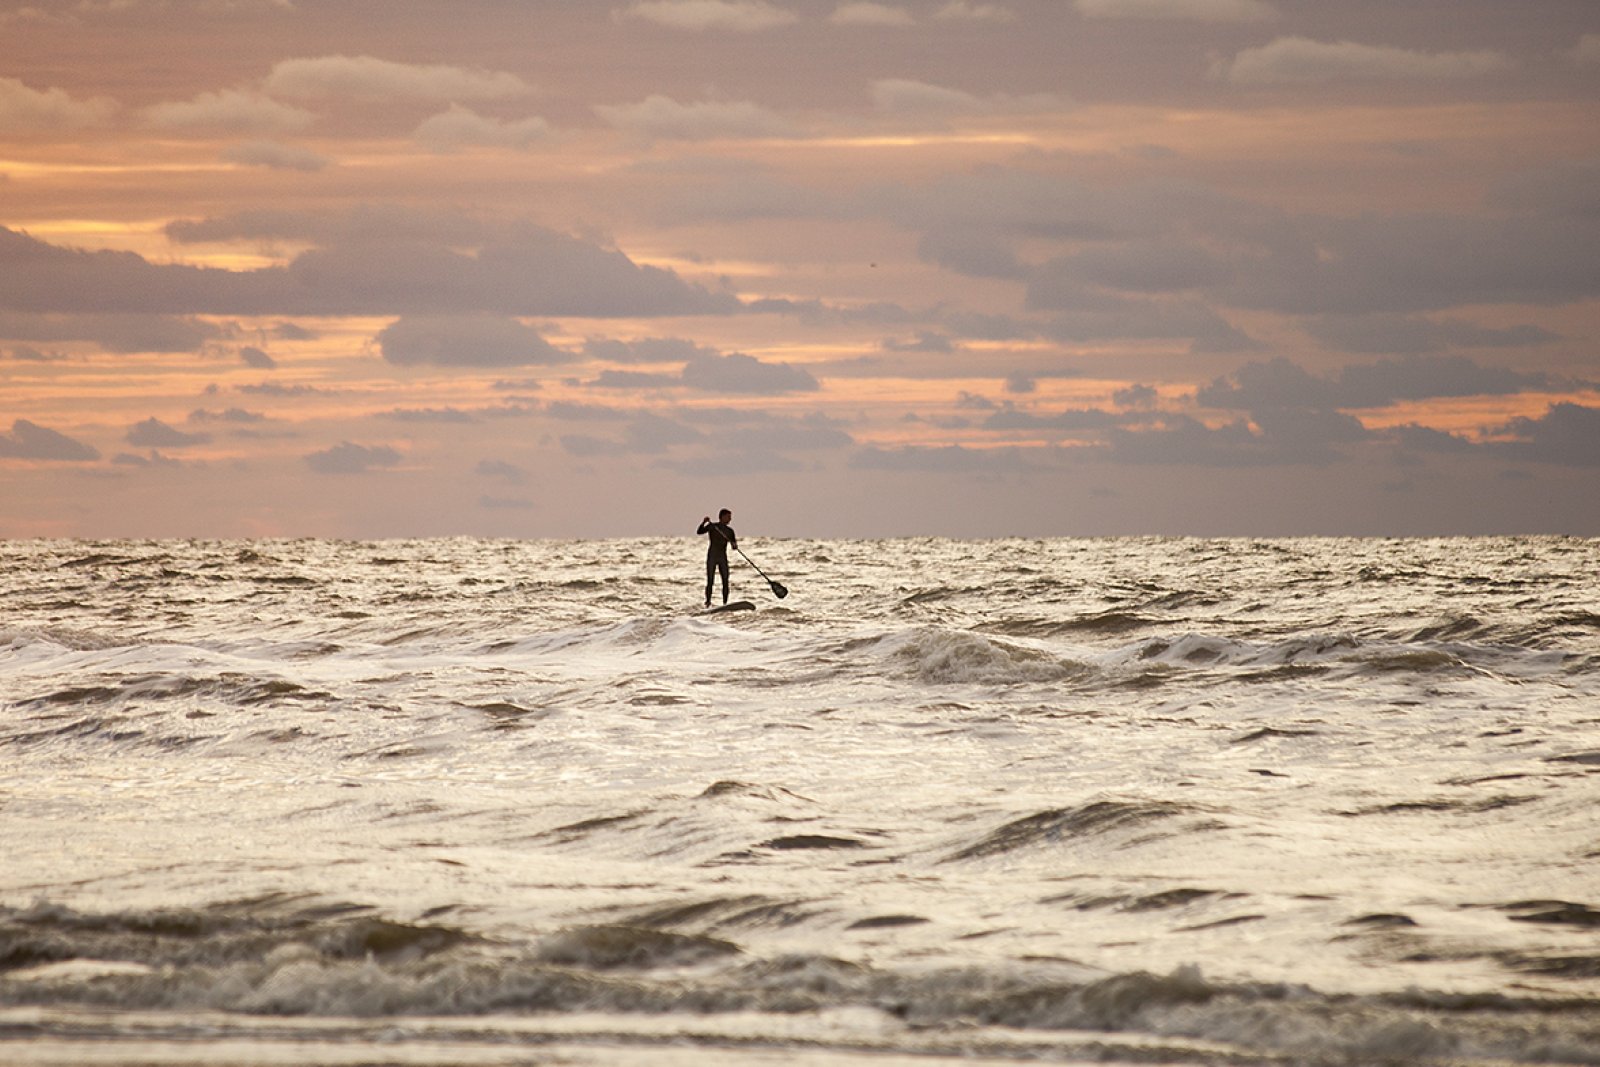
x=752, y=562
x=777, y=589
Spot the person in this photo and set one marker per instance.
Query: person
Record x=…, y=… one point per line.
x=721, y=536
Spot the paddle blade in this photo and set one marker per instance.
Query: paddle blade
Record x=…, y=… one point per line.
x=777, y=589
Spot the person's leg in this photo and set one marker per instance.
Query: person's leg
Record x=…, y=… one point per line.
x=722, y=565
x=711, y=570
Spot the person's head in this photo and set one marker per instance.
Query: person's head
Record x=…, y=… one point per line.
x=724, y=515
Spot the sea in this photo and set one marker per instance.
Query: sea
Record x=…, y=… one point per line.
x=1129, y=801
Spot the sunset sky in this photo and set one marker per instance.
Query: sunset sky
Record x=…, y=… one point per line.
x=528, y=268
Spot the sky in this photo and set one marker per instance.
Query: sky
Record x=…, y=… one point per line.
x=529, y=268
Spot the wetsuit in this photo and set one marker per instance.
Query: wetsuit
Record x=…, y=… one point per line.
x=721, y=536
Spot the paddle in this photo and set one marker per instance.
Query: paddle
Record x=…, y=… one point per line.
x=777, y=587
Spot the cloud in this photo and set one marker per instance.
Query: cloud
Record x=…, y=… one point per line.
x=721, y=190
x=950, y=459
x=348, y=458
x=1275, y=384
x=153, y=433
x=923, y=341
x=1411, y=334
x=1072, y=420
x=1134, y=319
x=1419, y=438
x=568, y=411
x=875, y=313
x=429, y=415
x=645, y=350
x=807, y=435
x=461, y=127
x=739, y=373
x=508, y=409
x=1566, y=434
x=1411, y=263
x=1569, y=189
x=1279, y=384
x=29, y=440
x=1303, y=435
x=871, y=14
x=506, y=472
x=1587, y=50
x=902, y=96
x=739, y=16
x=279, y=389
x=381, y=223
x=154, y=459
x=1301, y=61
x=622, y=379
x=755, y=441
x=1283, y=439
x=661, y=117
x=656, y=433
x=275, y=155
x=515, y=269
x=969, y=11
x=1190, y=10
x=113, y=332
x=251, y=356
x=230, y=415
x=703, y=369
x=24, y=110
x=40, y=277
x=32, y=14
x=975, y=222
x=1136, y=396
x=522, y=269
x=290, y=331
x=976, y=251
x=585, y=446
x=29, y=354
x=1142, y=266
x=647, y=434
x=517, y=385
x=466, y=341
x=369, y=79
x=1170, y=238
x=228, y=111
x=733, y=464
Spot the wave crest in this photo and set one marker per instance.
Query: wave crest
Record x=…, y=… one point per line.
x=948, y=657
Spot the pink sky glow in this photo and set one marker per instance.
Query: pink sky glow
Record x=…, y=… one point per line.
x=524, y=268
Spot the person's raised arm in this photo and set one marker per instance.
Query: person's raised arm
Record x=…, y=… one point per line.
x=705, y=524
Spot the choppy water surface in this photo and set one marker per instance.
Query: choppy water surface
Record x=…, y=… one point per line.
x=1211, y=802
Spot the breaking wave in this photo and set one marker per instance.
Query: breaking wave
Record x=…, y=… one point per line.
x=289, y=957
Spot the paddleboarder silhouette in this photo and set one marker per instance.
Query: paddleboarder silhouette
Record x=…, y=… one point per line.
x=720, y=536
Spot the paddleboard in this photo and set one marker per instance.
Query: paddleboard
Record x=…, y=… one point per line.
x=737, y=605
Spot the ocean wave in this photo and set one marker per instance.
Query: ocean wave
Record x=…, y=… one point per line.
x=228, y=689
x=1104, y=622
x=1342, y=655
x=50, y=639
x=721, y=914
x=346, y=962
x=1024, y=798
x=1060, y=825
x=101, y=559
x=638, y=947
x=730, y=823
x=954, y=657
